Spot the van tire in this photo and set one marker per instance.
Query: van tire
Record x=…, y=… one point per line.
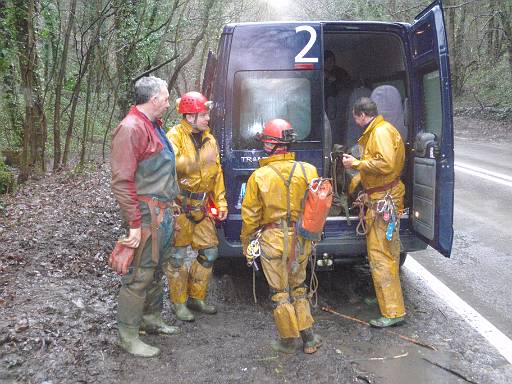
x=403, y=256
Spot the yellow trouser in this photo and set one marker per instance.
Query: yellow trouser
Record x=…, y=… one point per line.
x=184, y=283
x=290, y=317
x=200, y=236
x=384, y=259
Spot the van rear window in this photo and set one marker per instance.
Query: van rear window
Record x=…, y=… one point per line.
x=433, y=109
x=264, y=95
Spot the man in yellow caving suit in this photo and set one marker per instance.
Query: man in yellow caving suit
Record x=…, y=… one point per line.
x=381, y=164
x=201, y=183
x=274, y=209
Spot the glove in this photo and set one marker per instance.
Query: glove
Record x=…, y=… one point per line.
x=121, y=258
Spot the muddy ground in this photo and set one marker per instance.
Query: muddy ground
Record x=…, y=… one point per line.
x=58, y=305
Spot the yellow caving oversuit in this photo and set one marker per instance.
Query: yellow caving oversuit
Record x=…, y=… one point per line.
x=200, y=179
x=265, y=207
x=381, y=164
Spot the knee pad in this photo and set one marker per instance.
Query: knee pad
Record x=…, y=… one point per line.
x=300, y=292
x=177, y=258
x=279, y=298
x=207, y=256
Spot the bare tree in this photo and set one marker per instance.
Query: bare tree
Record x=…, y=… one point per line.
x=58, y=87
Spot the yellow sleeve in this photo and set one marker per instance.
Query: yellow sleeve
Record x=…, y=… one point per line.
x=219, y=190
x=184, y=163
x=354, y=183
x=381, y=147
x=252, y=211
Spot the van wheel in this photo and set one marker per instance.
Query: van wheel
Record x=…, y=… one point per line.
x=403, y=256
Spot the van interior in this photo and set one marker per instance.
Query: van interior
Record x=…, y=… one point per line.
x=371, y=65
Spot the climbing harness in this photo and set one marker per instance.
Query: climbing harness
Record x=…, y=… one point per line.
x=252, y=253
x=385, y=208
x=254, y=250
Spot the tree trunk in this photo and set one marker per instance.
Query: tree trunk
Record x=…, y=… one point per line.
x=58, y=88
x=83, y=147
x=192, y=49
x=34, y=124
x=505, y=12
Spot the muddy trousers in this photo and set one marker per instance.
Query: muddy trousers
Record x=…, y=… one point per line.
x=292, y=312
x=384, y=260
x=194, y=283
x=141, y=292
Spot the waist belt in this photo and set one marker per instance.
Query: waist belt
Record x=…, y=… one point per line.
x=278, y=225
x=193, y=195
x=155, y=221
x=382, y=188
x=183, y=200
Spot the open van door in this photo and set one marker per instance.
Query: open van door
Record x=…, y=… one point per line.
x=432, y=155
x=209, y=75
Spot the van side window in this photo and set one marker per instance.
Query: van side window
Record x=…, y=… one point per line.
x=265, y=95
x=432, y=108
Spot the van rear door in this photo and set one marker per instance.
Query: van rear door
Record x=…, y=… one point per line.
x=431, y=105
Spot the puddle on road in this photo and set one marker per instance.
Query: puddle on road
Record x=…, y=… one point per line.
x=401, y=365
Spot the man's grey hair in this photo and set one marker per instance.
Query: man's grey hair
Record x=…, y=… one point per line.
x=367, y=106
x=147, y=87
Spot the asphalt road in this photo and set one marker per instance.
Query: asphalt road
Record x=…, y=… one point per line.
x=479, y=269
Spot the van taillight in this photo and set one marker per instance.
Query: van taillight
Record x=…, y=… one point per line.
x=304, y=66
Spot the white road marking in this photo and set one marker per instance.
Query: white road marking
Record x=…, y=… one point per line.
x=497, y=338
x=496, y=177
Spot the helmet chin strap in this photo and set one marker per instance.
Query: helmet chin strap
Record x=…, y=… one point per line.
x=278, y=149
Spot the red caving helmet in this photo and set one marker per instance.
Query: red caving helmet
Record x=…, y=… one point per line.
x=277, y=131
x=193, y=102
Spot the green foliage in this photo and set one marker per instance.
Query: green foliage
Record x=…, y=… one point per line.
x=7, y=179
x=490, y=86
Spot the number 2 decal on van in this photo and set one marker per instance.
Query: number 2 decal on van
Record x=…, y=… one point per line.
x=312, y=39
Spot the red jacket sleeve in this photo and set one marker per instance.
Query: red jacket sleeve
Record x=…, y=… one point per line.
x=128, y=143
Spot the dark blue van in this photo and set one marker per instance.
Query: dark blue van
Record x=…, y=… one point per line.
x=276, y=69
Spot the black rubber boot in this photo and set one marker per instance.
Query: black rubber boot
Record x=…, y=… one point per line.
x=311, y=340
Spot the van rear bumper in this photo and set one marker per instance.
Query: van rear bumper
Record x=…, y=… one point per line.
x=342, y=247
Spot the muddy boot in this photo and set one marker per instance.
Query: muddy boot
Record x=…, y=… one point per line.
x=370, y=301
x=284, y=345
x=153, y=323
x=311, y=341
x=177, y=275
x=201, y=306
x=130, y=342
x=183, y=313
x=384, y=322
x=198, y=279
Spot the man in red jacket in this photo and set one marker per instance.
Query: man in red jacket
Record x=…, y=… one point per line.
x=144, y=184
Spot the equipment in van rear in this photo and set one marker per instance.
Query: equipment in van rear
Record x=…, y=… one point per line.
x=276, y=70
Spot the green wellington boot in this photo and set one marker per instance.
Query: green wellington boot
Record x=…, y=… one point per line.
x=153, y=323
x=130, y=342
x=311, y=340
x=286, y=345
x=183, y=313
x=201, y=306
x=384, y=322
x=370, y=301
